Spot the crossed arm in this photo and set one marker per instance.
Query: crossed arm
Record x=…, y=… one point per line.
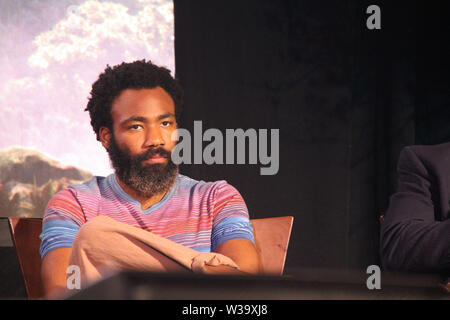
x=53, y=272
x=241, y=251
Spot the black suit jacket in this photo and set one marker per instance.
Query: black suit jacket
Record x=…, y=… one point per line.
x=415, y=232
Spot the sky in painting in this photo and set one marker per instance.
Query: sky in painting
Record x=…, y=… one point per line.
x=50, y=54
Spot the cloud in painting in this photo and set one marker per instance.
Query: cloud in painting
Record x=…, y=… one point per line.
x=46, y=78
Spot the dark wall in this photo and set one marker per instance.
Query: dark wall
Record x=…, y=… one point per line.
x=433, y=70
x=346, y=100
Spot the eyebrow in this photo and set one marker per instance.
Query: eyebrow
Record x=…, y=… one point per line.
x=144, y=119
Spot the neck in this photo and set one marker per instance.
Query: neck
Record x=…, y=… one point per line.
x=146, y=202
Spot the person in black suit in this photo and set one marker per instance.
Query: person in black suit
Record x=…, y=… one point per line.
x=415, y=231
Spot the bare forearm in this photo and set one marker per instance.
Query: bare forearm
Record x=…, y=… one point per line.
x=53, y=272
x=243, y=253
x=223, y=270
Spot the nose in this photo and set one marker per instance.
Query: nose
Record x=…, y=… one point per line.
x=153, y=137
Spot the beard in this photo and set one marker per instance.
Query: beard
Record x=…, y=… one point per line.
x=147, y=180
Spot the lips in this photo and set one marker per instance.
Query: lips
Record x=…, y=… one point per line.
x=156, y=159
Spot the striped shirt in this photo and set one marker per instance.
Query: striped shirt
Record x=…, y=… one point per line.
x=197, y=214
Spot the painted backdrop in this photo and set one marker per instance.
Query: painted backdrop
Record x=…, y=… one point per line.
x=50, y=54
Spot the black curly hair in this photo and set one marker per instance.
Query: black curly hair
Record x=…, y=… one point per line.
x=139, y=74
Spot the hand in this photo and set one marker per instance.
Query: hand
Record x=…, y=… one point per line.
x=221, y=269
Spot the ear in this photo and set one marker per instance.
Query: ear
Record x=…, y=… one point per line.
x=105, y=137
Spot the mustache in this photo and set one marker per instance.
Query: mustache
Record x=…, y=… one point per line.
x=151, y=153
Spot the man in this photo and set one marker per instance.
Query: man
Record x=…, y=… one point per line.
x=415, y=232
x=134, y=109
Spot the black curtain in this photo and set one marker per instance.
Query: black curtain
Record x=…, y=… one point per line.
x=346, y=99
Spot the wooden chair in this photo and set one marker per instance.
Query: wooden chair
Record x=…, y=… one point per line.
x=271, y=237
x=25, y=234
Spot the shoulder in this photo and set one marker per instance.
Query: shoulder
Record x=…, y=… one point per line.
x=221, y=199
x=212, y=188
x=90, y=186
x=430, y=149
x=431, y=157
x=70, y=203
x=73, y=192
x=436, y=153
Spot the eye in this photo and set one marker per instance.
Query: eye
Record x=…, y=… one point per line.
x=166, y=123
x=135, y=127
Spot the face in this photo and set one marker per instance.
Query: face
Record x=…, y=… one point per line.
x=140, y=144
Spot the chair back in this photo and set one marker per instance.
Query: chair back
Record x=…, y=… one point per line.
x=272, y=239
x=25, y=234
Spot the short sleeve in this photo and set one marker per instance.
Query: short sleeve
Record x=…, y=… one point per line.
x=231, y=218
x=63, y=218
